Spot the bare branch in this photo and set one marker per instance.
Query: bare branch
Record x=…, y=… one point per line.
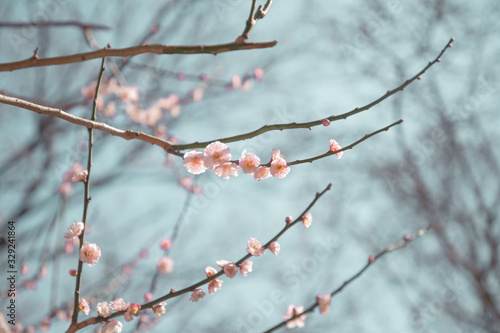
x=54, y=24
x=254, y=16
x=36, y=61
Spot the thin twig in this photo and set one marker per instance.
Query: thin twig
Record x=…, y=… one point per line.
x=126, y=134
x=36, y=61
x=173, y=293
x=54, y=24
x=267, y=128
x=254, y=16
x=407, y=239
x=86, y=199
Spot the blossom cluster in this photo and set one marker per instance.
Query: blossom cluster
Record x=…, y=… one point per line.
x=217, y=158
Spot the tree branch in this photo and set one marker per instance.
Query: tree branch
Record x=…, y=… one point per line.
x=54, y=24
x=36, y=61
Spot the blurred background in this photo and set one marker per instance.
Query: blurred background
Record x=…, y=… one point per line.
x=439, y=168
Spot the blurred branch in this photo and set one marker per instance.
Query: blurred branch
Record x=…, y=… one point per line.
x=126, y=134
x=36, y=61
x=173, y=293
x=267, y=128
x=54, y=24
x=406, y=240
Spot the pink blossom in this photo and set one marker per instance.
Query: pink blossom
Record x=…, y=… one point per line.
x=159, y=309
x=246, y=267
x=113, y=326
x=74, y=231
x=196, y=295
x=279, y=168
x=258, y=73
x=226, y=170
x=148, y=297
x=216, y=154
x=255, y=247
x=25, y=268
x=197, y=94
x=325, y=122
x=194, y=162
x=166, y=244
x=103, y=309
x=334, y=146
x=168, y=103
x=127, y=94
x=88, y=92
x=249, y=162
x=323, y=303
x=275, y=154
x=75, y=169
x=80, y=177
x=236, y=81
x=165, y=265
x=288, y=219
x=84, y=306
x=210, y=271
x=307, y=220
x=65, y=189
x=274, y=247
x=118, y=304
x=132, y=310
x=291, y=312
x=262, y=173
x=109, y=110
x=230, y=269
x=73, y=272
x=214, y=285
x=90, y=253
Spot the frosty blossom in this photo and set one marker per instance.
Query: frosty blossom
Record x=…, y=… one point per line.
x=323, y=303
x=214, y=285
x=103, y=309
x=249, y=162
x=84, y=306
x=230, y=269
x=165, y=265
x=196, y=295
x=113, y=326
x=132, y=310
x=74, y=231
x=225, y=170
x=274, y=247
x=193, y=161
x=262, y=173
x=307, y=220
x=118, y=304
x=90, y=253
x=334, y=146
x=216, y=153
x=255, y=247
x=292, y=311
x=246, y=267
x=159, y=309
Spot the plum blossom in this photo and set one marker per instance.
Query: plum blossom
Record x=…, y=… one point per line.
x=292, y=311
x=118, y=304
x=246, y=267
x=65, y=189
x=262, y=173
x=113, y=326
x=73, y=272
x=159, y=309
x=166, y=244
x=324, y=303
x=148, y=297
x=325, y=122
x=210, y=271
x=334, y=146
x=236, y=81
x=307, y=220
x=249, y=162
x=193, y=161
x=274, y=247
x=103, y=309
x=230, y=269
x=258, y=74
x=216, y=154
x=214, y=285
x=196, y=295
x=74, y=231
x=132, y=310
x=279, y=168
x=255, y=247
x=165, y=265
x=225, y=170
x=84, y=306
x=90, y=253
